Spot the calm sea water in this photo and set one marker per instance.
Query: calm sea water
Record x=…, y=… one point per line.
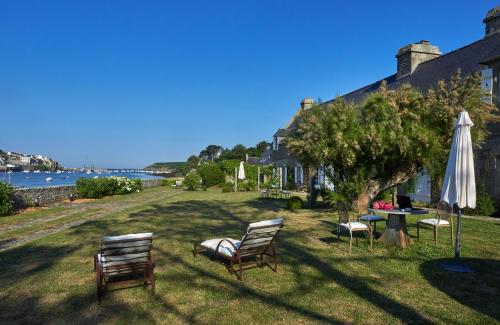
x=46, y=179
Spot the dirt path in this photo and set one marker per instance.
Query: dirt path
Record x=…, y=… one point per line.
x=104, y=209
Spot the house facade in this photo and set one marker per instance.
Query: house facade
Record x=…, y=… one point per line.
x=422, y=65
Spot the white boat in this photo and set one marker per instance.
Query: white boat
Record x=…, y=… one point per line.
x=48, y=179
x=96, y=176
x=26, y=171
x=58, y=172
x=89, y=172
x=36, y=172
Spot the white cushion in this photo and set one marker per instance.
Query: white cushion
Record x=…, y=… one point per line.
x=144, y=235
x=371, y=217
x=434, y=222
x=354, y=225
x=225, y=248
x=270, y=222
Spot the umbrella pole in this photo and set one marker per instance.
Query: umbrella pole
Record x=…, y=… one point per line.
x=457, y=239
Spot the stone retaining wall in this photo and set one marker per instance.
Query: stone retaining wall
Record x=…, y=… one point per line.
x=151, y=182
x=25, y=197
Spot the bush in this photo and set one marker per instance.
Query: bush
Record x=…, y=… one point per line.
x=227, y=187
x=211, y=174
x=125, y=185
x=168, y=182
x=247, y=185
x=295, y=203
x=485, y=206
x=6, y=192
x=192, y=181
x=96, y=188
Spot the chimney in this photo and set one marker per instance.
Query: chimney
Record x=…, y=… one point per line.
x=307, y=103
x=410, y=56
x=492, y=21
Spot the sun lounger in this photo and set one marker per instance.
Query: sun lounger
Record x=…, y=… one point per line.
x=255, y=249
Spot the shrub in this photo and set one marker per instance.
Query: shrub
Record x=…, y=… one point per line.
x=247, y=185
x=96, y=188
x=227, y=187
x=211, y=174
x=327, y=196
x=295, y=203
x=192, y=181
x=485, y=206
x=6, y=192
x=168, y=182
x=125, y=185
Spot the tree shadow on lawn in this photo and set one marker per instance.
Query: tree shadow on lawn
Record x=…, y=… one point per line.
x=195, y=219
x=479, y=290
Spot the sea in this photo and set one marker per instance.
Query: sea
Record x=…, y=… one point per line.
x=47, y=179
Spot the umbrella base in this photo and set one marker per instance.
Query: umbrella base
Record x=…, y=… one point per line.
x=455, y=266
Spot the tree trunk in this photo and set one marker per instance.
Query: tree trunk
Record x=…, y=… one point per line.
x=312, y=190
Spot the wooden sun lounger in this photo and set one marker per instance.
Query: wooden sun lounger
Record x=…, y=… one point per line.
x=122, y=259
x=255, y=249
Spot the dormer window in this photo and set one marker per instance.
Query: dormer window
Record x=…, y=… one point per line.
x=275, y=142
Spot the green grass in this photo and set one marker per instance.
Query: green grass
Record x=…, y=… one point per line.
x=51, y=280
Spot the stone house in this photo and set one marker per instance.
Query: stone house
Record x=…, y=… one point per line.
x=422, y=65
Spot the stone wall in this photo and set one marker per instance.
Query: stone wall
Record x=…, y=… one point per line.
x=25, y=197
x=151, y=182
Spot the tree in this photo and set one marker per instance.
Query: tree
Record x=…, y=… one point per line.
x=389, y=138
x=444, y=102
x=192, y=181
x=258, y=149
x=211, y=152
x=211, y=174
x=191, y=163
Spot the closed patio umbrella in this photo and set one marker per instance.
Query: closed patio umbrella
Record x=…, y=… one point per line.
x=241, y=171
x=459, y=185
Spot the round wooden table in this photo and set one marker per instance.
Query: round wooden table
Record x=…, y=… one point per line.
x=396, y=232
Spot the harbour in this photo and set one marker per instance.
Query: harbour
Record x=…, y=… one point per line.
x=37, y=179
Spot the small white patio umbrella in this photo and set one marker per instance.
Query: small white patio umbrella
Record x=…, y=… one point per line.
x=459, y=185
x=241, y=171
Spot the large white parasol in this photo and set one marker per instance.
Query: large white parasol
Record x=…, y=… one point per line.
x=241, y=171
x=459, y=185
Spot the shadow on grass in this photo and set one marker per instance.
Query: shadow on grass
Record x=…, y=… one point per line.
x=202, y=219
x=187, y=222
x=479, y=290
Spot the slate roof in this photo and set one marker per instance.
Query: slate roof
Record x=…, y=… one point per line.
x=282, y=133
x=468, y=59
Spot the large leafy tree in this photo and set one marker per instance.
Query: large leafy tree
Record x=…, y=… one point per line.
x=211, y=152
x=444, y=102
x=390, y=137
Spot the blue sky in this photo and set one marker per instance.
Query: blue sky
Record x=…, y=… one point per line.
x=127, y=83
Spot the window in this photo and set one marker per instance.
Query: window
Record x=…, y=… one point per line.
x=275, y=143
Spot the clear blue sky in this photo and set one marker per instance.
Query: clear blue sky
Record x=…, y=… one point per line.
x=128, y=83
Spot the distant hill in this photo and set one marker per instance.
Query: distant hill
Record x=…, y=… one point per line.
x=167, y=166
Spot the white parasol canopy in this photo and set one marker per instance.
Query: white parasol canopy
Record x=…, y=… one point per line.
x=241, y=171
x=459, y=185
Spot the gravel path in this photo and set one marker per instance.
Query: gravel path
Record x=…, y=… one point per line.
x=104, y=209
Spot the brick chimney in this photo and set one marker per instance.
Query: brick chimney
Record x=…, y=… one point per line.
x=492, y=21
x=410, y=56
x=307, y=103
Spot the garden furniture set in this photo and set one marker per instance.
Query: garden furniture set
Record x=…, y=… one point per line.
x=396, y=231
x=128, y=258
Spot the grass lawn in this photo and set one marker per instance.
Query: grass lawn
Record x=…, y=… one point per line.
x=51, y=279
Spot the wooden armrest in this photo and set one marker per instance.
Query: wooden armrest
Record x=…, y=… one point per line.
x=225, y=239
